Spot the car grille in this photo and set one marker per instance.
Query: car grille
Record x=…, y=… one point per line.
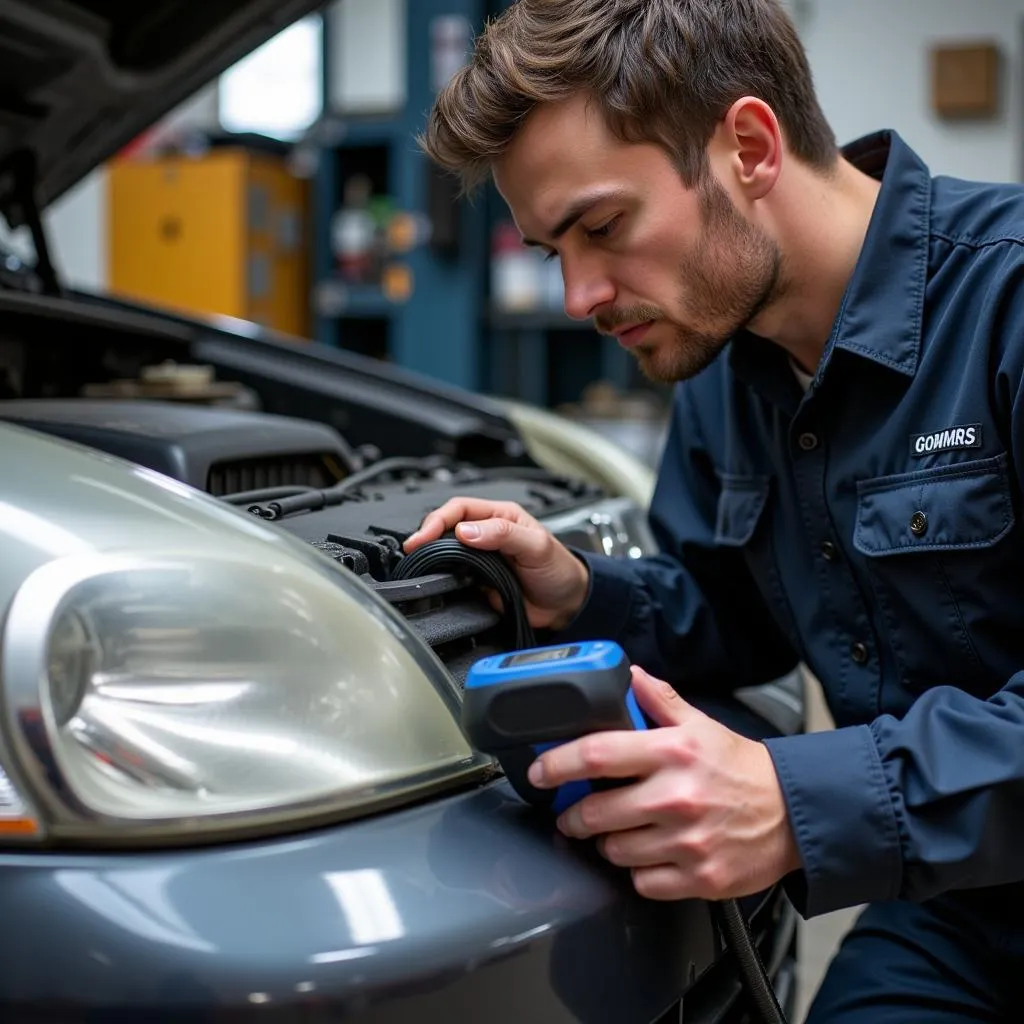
x=452, y=617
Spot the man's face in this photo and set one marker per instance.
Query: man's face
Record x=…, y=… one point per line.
x=673, y=272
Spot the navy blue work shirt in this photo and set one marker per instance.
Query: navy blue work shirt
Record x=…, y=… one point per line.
x=870, y=527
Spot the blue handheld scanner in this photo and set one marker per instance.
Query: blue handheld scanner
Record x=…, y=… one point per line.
x=518, y=705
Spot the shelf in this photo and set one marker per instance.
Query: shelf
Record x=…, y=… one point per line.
x=339, y=299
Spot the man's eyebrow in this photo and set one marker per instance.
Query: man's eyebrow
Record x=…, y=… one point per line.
x=577, y=209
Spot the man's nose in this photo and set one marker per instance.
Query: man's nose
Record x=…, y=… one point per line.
x=586, y=291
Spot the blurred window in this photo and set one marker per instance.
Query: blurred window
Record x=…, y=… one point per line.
x=278, y=89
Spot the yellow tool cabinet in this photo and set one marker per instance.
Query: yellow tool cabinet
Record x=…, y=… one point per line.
x=220, y=233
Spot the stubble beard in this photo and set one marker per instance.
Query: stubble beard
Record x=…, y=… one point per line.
x=734, y=274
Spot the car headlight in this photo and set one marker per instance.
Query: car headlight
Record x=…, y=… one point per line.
x=172, y=696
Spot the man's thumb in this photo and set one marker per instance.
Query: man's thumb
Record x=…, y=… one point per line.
x=658, y=699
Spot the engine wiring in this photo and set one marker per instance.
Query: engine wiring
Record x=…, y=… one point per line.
x=276, y=503
x=264, y=494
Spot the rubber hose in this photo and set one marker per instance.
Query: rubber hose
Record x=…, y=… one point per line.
x=314, y=500
x=752, y=972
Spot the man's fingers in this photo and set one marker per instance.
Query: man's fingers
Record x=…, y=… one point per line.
x=664, y=882
x=659, y=700
x=459, y=510
x=619, y=811
x=638, y=848
x=601, y=755
x=526, y=545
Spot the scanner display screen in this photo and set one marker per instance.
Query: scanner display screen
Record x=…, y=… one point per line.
x=537, y=657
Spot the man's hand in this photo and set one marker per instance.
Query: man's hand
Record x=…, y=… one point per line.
x=554, y=581
x=705, y=817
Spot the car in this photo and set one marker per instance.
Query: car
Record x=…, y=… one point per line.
x=233, y=782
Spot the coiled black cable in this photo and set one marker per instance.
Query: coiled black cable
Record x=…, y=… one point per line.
x=751, y=969
x=490, y=569
x=486, y=568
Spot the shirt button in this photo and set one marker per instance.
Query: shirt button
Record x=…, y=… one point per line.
x=829, y=552
x=808, y=442
x=859, y=653
x=918, y=524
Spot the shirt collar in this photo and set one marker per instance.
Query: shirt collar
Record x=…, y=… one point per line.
x=883, y=307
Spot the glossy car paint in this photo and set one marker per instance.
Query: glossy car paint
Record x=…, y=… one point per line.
x=467, y=910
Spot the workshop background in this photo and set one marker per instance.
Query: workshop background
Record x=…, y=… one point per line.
x=291, y=193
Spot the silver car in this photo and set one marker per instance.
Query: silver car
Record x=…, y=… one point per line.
x=232, y=779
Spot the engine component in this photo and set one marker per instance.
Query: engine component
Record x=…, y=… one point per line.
x=353, y=506
x=215, y=450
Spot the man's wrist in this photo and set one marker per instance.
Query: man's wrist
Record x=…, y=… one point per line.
x=578, y=596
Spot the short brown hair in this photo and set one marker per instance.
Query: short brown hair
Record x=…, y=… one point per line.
x=661, y=71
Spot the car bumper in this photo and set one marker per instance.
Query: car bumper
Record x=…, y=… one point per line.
x=467, y=910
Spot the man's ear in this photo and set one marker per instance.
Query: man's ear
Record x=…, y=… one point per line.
x=747, y=146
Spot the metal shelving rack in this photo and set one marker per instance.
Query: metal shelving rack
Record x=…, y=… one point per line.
x=446, y=327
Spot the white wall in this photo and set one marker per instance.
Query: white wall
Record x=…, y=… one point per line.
x=871, y=68
x=77, y=227
x=367, y=40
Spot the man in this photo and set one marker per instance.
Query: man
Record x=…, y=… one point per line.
x=840, y=484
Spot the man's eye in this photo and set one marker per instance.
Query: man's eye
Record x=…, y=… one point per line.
x=604, y=230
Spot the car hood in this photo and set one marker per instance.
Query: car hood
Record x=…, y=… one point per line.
x=79, y=79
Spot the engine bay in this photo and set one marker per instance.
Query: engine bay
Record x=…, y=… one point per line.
x=359, y=506
x=354, y=454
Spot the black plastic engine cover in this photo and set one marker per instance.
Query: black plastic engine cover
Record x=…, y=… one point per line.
x=212, y=449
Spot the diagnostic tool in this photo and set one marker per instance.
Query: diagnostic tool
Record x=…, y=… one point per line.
x=518, y=705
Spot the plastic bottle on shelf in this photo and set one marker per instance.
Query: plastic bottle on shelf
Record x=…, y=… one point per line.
x=354, y=231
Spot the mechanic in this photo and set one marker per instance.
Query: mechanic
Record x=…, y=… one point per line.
x=840, y=484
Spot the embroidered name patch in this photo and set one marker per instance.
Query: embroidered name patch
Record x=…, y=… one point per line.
x=946, y=440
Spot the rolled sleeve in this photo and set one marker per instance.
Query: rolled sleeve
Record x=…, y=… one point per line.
x=843, y=819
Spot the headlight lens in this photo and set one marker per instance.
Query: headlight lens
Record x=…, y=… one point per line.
x=148, y=697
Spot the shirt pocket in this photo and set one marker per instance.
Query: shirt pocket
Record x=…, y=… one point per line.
x=743, y=524
x=938, y=549
x=741, y=502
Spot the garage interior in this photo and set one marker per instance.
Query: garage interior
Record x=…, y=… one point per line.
x=289, y=193
x=370, y=244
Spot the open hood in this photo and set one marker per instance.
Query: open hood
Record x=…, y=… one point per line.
x=79, y=79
